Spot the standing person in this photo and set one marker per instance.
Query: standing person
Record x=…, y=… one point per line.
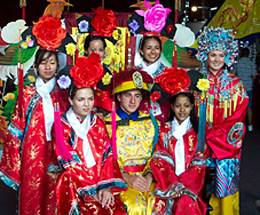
x=246, y=70
x=29, y=162
x=178, y=154
x=223, y=107
x=90, y=177
x=136, y=136
x=150, y=49
x=103, y=102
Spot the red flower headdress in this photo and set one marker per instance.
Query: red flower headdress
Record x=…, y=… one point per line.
x=104, y=22
x=174, y=81
x=87, y=71
x=49, y=32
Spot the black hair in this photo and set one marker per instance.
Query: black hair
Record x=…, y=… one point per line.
x=90, y=38
x=146, y=38
x=73, y=90
x=43, y=54
x=193, y=117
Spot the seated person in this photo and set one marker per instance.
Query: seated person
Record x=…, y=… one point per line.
x=136, y=136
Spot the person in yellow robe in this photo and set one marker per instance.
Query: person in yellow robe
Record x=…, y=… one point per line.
x=136, y=137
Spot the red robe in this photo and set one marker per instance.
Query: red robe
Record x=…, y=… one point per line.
x=227, y=102
x=78, y=184
x=178, y=194
x=29, y=162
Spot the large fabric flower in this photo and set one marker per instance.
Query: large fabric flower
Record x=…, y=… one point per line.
x=104, y=22
x=87, y=71
x=174, y=80
x=203, y=84
x=49, y=32
x=155, y=17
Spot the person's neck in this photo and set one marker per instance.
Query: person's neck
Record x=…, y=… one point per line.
x=215, y=72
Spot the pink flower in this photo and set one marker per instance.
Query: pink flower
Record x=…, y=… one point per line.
x=155, y=17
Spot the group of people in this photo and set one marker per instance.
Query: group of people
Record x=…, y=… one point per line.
x=130, y=160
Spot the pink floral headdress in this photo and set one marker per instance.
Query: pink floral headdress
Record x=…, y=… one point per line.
x=154, y=17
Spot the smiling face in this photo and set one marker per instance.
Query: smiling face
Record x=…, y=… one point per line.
x=48, y=66
x=130, y=100
x=82, y=102
x=182, y=108
x=151, y=50
x=216, y=60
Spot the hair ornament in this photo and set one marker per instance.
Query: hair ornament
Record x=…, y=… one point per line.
x=217, y=39
x=87, y=71
x=174, y=80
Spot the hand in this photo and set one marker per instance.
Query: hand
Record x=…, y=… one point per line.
x=137, y=182
x=106, y=198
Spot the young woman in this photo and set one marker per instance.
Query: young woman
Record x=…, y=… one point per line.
x=103, y=102
x=29, y=161
x=226, y=102
x=150, y=49
x=90, y=177
x=179, y=157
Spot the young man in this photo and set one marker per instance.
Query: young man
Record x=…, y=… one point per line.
x=136, y=136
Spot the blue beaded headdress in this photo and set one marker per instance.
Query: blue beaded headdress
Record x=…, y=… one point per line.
x=217, y=39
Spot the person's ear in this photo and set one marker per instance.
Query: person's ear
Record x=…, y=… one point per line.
x=118, y=96
x=141, y=52
x=70, y=101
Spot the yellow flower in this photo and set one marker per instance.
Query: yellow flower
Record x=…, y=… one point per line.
x=106, y=79
x=203, y=84
x=8, y=96
x=70, y=49
x=31, y=78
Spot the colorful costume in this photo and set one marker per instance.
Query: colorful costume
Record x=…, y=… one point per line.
x=91, y=170
x=225, y=104
x=159, y=109
x=135, y=144
x=29, y=162
x=180, y=191
x=226, y=109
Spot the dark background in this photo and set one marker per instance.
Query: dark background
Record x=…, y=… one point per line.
x=10, y=10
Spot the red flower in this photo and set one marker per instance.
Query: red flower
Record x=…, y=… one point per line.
x=48, y=32
x=87, y=71
x=174, y=80
x=104, y=22
x=155, y=96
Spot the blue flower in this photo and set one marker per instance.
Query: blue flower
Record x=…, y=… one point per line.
x=134, y=26
x=83, y=26
x=64, y=82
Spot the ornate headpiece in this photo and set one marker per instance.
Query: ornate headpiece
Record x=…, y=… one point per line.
x=132, y=79
x=87, y=71
x=104, y=22
x=154, y=18
x=174, y=81
x=49, y=32
x=217, y=39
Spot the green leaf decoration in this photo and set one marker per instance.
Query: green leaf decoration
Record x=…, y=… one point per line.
x=25, y=54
